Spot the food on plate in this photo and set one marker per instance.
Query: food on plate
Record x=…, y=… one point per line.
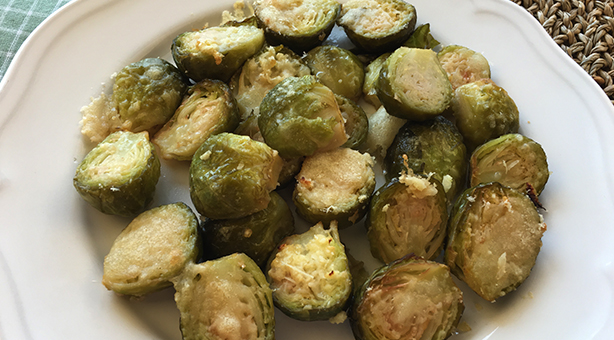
x=207, y=109
x=494, y=238
x=371, y=76
x=337, y=68
x=231, y=176
x=227, y=298
x=356, y=122
x=409, y=298
x=382, y=130
x=152, y=250
x=422, y=38
x=119, y=175
x=512, y=160
x=463, y=65
x=309, y=275
x=377, y=25
x=215, y=52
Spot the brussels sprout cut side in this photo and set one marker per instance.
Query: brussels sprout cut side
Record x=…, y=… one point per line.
x=337, y=68
x=463, y=65
x=223, y=299
x=494, y=239
x=119, y=176
x=410, y=298
x=152, y=250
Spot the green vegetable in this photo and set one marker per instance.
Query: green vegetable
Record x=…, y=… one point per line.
x=356, y=122
x=337, y=68
x=421, y=38
x=463, y=65
x=371, y=77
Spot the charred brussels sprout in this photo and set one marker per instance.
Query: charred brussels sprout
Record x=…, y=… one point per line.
x=412, y=84
x=371, y=77
x=494, y=239
x=227, y=298
x=356, y=122
x=407, y=216
x=231, y=176
x=512, y=160
x=310, y=276
x=434, y=146
x=152, y=250
x=299, y=24
x=300, y=116
x=337, y=68
x=484, y=111
x=120, y=174
x=377, y=25
x=335, y=185
x=256, y=235
x=216, y=52
x=208, y=109
x=463, y=65
x=147, y=93
x=410, y=298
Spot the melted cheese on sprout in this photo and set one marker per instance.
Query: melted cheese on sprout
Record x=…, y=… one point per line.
x=372, y=17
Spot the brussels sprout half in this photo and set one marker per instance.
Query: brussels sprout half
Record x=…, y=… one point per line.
x=494, y=238
x=337, y=68
x=371, y=77
x=512, y=160
x=300, y=116
x=208, y=109
x=377, y=25
x=119, y=176
x=147, y=93
x=309, y=275
x=412, y=85
x=216, y=52
x=152, y=250
x=356, y=122
x=410, y=298
x=231, y=176
x=463, y=65
x=227, y=298
x=407, y=216
x=299, y=24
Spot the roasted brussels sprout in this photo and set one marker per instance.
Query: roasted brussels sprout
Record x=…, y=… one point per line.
x=382, y=130
x=216, y=52
x=227, y=298
x=290, y=168
x=300, y=116
x=147, y=93
x=408, y=215
x=152, y=250
x=310, y=276
x=433, y=146
x=231, y=176
x=422, y=38
x=494, y=238
x=463, y=65
x=410, y=298
x=484, y=111
x=208, y=109
x=298, y=24
x=377, y=25
x=119, y=176
x=371, y=77
x=257, y=235
x=412, y=84
x=356, y=122
x=512, y=160
x=335, y=185
x=337, y=68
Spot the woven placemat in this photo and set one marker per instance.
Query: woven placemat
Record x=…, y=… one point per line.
x=583, y=29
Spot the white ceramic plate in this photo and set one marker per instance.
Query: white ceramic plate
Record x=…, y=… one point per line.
x=52, y=244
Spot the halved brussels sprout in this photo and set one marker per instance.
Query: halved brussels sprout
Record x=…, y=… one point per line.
x=298, y=24
x=377, y=25
x=494, y=238
x=337, y=68
x=407, y=216
x=310, y=276
x=152, y=250
x=512, y=160
x=410, y=298
x=231, y=176
x=119, y=176
x=422, y=38
x=335, y=185
x=382, y=130
x=208, y=109
x=227, y=298
x=484, y=111
x=147, y=93
x=300, y=116
x=257, y=235
x=463, y=65
x=412, y=84
x=216, y=52
x=434, y=146
x=356, y=122
x=291, y=167
x=371, y=77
